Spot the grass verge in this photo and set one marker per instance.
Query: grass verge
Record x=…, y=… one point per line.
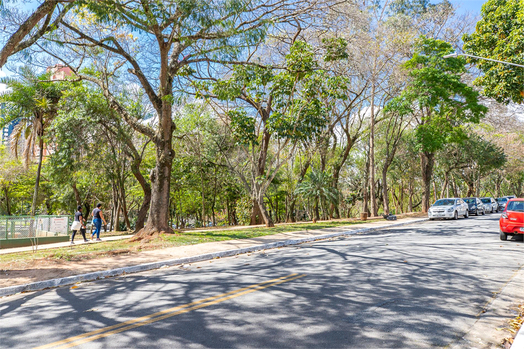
x=82, y=251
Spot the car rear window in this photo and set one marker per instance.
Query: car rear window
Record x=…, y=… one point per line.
x=516, y=206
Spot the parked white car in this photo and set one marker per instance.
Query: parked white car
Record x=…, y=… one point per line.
x=490, y=205
x=450, y=208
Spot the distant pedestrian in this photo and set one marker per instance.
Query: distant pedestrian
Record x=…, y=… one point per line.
x=98, y=218
x=78, y=224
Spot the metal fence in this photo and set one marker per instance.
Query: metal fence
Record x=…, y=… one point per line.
x=23, y=227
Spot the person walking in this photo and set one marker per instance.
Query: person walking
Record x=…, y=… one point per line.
x=98, y=218
x=78, y=224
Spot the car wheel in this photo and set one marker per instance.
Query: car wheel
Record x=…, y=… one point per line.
x=456, y=215
x=432, y=219
x=483, y=212
x=466, y=215
x=503, y=236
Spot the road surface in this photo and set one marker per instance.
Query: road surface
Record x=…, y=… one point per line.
x=420, y=286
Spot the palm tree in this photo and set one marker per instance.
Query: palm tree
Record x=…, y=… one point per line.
x=31, y=102
x=317, y=186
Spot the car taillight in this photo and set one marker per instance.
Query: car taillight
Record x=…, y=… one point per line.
x=504, y=215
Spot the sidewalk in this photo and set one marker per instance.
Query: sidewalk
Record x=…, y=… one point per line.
x=61, y=269
x=60, y=244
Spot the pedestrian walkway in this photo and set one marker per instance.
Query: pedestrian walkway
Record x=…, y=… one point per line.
x=52, y=270
x=61, y=244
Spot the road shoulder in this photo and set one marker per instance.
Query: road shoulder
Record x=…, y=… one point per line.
x=492, y=325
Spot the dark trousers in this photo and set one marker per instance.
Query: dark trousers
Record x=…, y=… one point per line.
x=82, y=231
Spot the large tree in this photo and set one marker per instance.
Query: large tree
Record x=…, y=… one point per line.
x=439, y=102
x=499, y=35
x=276, y=110
x=162, y=43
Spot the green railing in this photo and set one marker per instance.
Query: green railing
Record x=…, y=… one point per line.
x=23, y=227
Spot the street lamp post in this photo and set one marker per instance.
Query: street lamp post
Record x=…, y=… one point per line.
x=454, y=55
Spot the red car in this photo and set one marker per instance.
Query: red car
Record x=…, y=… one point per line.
x=512, y=219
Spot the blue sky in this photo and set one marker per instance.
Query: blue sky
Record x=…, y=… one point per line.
x=471, y=6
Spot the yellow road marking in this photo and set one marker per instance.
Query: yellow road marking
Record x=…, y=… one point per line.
x=144, y=320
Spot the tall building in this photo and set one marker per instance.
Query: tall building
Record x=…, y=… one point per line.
x=8, y=129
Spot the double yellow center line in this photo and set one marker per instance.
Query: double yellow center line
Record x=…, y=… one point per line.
x=164, y=314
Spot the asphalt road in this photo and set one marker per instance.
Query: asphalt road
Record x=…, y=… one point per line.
x=420, y=286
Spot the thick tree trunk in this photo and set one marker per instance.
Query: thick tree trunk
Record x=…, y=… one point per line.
x=266, y=219
x=471, y=188
x=427, y=161
x=256, y=214
x=38, y=171
x=158, y=220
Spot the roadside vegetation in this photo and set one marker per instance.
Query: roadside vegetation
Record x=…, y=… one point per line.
x=83, y=251
x=180, y=114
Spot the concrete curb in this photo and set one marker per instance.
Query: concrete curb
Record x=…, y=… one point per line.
x=518, y=342
x=70, y=280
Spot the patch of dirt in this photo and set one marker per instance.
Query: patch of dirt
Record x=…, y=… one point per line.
x=148, y=251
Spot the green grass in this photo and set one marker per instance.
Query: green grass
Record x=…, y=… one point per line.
x=82, y=251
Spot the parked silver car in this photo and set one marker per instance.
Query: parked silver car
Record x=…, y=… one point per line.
x=490, y=205
x=448, y=208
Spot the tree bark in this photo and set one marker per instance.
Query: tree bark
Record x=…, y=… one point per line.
x=266, y=219
x=471, y=188
x=38, y=171
x=158, y=220
x=13, y=43
x=146, y=188
x=124, y=207
x=372, y=189
x=385, y=190
x=116, y=226
x=410, y=201
x=427, y=161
